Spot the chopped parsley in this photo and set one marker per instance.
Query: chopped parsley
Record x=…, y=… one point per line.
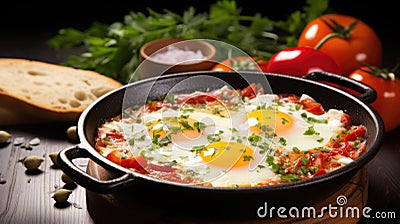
x=254, y=139
x=282, y=141
x=284, y=121
x=199, y=126
x=313, y=120
x=295, y=149
x=311, y=131
x=198, y=149
x=185, y=125
x=290, y=177
x=247, y=158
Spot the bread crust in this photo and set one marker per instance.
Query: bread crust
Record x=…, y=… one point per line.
x=28, y=93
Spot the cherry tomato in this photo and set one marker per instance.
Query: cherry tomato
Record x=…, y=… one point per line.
x=299, y=61
x=387, y=87
x=349, y=41
x=241, y=63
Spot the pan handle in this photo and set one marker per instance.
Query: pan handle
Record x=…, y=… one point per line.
x=65, y=162
x=367, y=93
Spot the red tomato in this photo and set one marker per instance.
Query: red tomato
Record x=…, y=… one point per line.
x=241, y=63
x=320, y=171
x=116, y=137
x=299, y=61
x=359, y=46
x=250, y=91
x=198, y=99
x=139, y=163
x=124, y=157
x=116, y=156
x=353, y=134
x=388, y=91
x=312, y=106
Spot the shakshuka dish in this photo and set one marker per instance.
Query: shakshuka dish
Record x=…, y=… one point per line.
x=231, y=138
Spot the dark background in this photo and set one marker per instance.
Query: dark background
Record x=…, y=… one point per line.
x=26, y=26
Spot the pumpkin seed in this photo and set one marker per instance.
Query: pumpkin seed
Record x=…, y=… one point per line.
x=61, y=195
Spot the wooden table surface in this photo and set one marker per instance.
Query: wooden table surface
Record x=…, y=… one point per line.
x=27, y=197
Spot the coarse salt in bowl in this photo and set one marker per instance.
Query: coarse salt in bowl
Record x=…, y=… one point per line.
x=172, y=55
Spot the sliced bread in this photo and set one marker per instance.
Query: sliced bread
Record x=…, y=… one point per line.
x=35, y=91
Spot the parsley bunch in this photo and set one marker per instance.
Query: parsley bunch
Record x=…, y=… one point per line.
x=113, y=50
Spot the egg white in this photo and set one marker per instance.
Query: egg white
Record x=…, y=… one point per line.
x=295, y=136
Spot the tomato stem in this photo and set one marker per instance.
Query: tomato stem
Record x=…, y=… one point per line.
x=326, y=38
x=385, y=73
x=338, y=30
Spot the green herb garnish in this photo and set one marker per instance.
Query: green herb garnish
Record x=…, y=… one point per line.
x=311, y=131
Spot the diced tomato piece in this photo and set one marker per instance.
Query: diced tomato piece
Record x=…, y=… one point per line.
x=299, y=162
x=345, y=119
x=115, y=136
x=130, y=163
x=249, y=91
x=99, y=142
x=115, y=156
x=160, y=168
x=200, y=99
x=317, y=110
x=331, y=154
x=318, y=161
x=355, y=132
x=119, y=154
x=320, y=171
x=336, y=142
x=291, y=99
x=345, y=150
x=153, y=106
x=312, y=106
x=349, y=147
x=138, y=163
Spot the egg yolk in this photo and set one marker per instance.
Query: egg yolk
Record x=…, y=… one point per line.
x=277, y=120
x=177, y=128
x=227, y=154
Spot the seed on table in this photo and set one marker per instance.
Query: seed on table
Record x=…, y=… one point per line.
x=66, y=179
x=72, y=134
x=53, y=157
x=32, y=162
x=61, y=195
x=4, y=136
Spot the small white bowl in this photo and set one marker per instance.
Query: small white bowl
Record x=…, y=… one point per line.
x=151, y=67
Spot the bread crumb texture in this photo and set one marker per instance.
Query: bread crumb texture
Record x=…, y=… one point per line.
x=51, y=86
